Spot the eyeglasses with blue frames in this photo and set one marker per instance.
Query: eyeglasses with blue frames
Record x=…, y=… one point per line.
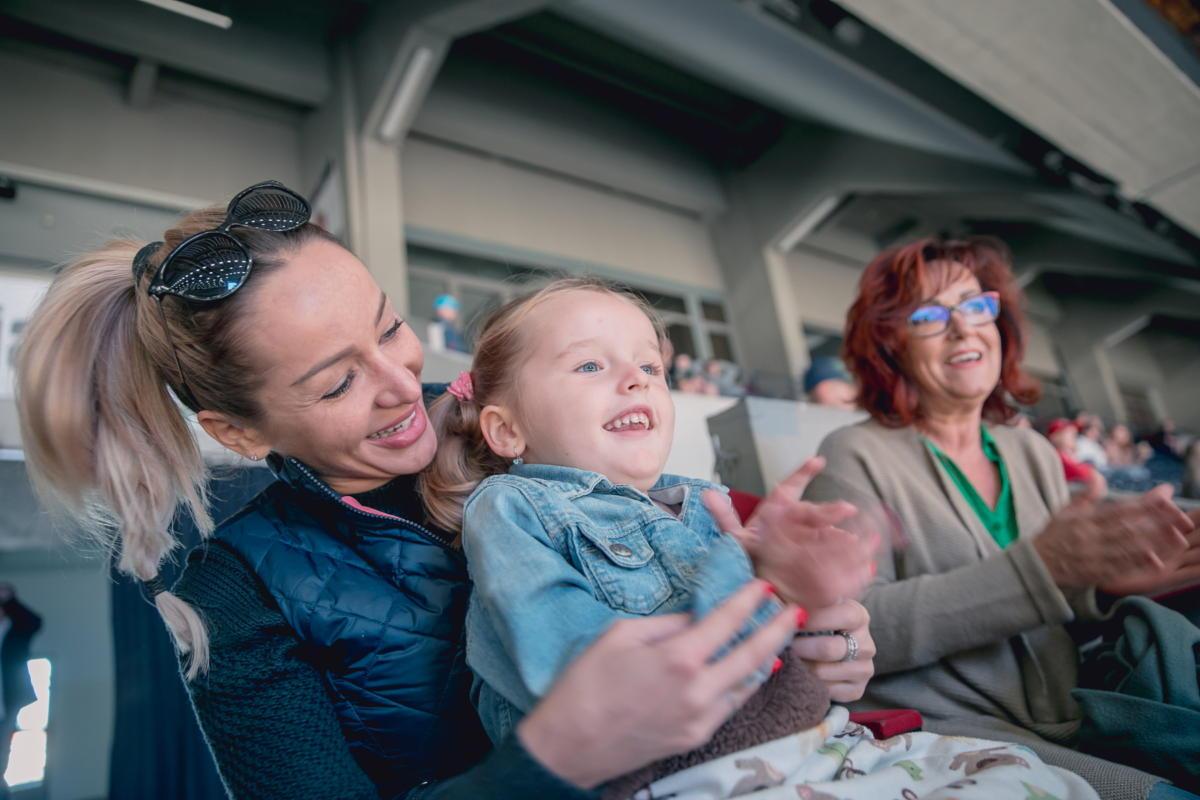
x=932, y=319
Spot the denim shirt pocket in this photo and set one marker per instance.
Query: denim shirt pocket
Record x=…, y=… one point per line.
x=623, y=567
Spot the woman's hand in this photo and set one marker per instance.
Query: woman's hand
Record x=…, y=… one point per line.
x=646, y=689
x=798, y=546
x=1093, y=544
x=847, y=680
x=1176, y=573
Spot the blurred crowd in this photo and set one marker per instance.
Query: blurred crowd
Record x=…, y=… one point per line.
x=714, y=376
x=1094, y=456
x=1104, y=458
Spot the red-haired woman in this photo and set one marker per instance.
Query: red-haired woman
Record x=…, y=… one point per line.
x=969, y=617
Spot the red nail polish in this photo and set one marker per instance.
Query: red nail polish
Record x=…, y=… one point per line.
x=801, y=617
x=778, y=665
x=769, y=589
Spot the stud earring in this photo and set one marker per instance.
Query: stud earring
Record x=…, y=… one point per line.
x=253, y=457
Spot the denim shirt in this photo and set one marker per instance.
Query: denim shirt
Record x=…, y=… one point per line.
x=557, y=555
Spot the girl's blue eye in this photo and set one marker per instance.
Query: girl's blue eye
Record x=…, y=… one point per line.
x=652, y=369
x=341, y=389
x=590, y=366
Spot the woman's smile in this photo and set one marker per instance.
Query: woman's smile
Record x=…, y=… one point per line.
x=403, y=432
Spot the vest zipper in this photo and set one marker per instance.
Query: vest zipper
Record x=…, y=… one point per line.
x=330, y=493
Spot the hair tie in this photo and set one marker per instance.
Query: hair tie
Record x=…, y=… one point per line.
x=152, y=589
x=463, y=387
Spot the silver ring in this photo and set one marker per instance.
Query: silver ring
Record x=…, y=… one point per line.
x=851, y=646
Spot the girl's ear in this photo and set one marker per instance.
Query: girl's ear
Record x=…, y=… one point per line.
x=501, y=431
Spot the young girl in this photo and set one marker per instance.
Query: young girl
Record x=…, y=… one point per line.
x=550, y=464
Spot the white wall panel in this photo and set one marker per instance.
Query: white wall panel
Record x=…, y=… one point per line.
x=76, y=122
x=481, y=199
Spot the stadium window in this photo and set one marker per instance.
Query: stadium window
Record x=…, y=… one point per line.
x=27, y=756
x=696, y=324
x=722, y=346
x=713, y=311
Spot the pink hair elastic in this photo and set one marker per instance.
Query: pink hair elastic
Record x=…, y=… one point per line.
x=463, y=387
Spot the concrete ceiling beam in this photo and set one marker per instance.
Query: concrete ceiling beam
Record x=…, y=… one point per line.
x=257, y=59
x=736, y=46
x=140, y=90
x=400, y=47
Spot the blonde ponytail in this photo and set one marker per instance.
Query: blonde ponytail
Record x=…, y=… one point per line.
x=102, y=434
x=463, y=459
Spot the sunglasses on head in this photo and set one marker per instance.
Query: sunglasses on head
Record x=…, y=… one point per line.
x=213, y=264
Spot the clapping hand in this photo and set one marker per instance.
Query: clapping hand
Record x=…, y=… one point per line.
x=1177, y=569
x=802, y=548
x=1123, y=547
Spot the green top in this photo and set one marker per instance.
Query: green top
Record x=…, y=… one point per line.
x=1001, y=521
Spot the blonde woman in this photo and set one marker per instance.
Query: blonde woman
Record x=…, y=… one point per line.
x=321, y=630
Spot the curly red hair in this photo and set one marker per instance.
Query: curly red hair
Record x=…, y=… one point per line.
x=891, y=288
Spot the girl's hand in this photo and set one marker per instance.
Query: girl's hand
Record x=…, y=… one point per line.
x=798, y=546
x=847, y=680
x=648, y=689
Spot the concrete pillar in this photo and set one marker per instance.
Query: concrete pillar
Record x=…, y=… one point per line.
x=386, y=73
x=382, y=209
x=775, y=202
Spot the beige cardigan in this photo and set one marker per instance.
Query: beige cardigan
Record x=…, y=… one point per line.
x=964, y=630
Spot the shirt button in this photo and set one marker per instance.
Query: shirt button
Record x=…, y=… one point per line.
x=620, y=550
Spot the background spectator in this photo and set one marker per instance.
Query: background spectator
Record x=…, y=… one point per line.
x=1089, y=447
x=1191, y=472
x=17, y=626
x=827, y=383
x=688, y=378
x=1165, y=442
x=1125, y=459
x=723, y=375
x=1122, y=451
x=1063, y=434
x=444, y=331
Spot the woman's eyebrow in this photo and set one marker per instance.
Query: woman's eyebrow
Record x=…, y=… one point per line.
x=326, y=364
x=345, y=352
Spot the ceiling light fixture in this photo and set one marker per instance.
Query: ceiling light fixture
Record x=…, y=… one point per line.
x=195, y=12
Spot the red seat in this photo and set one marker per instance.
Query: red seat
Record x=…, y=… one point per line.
x=882, y=724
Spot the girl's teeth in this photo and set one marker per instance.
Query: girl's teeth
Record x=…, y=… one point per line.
x=631, y=419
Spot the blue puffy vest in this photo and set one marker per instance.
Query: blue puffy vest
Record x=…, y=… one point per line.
x=379, y=603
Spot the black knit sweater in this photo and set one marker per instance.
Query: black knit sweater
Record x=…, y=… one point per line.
x=267, y=717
